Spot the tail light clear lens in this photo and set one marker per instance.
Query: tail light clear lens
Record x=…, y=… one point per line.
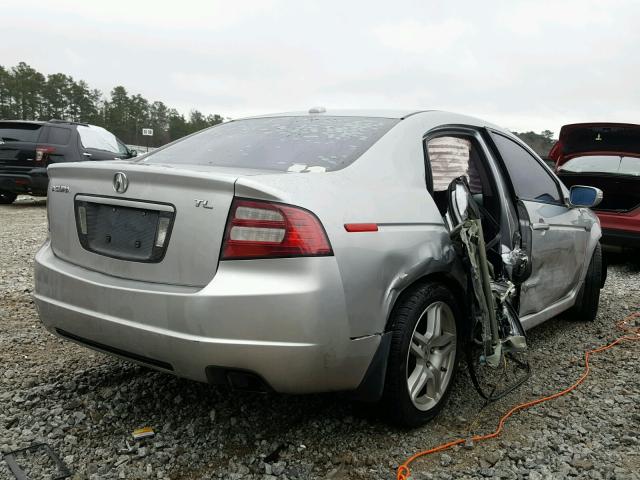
x=163, y=229
x=82, y=215
x=260, y=229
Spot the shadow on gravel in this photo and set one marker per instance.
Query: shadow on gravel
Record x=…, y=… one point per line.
x=164, y=398
x=119, y=397
x=629, y=259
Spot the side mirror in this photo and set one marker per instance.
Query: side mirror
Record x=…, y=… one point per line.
x=460, y=206
x=133, y=153
x=461, y=201
x=583, y=196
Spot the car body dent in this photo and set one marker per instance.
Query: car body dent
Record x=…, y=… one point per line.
x=394, y=169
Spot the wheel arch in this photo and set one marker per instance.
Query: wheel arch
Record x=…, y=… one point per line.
x=447, y=279
x=372, y=386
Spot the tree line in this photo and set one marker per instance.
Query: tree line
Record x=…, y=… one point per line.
x=26, y=94
x=541, y=142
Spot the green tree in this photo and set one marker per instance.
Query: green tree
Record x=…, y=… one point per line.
x=178, y=127
x=26, y=87
x=137, y=119
x=197, y=121
x=541, y=142
x=27, y=94
x=83, y=103
x=116, y=112
x=56, y=97
x=7, y=109
x=159, y=122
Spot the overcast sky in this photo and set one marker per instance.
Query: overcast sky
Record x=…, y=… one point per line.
x=524, y=65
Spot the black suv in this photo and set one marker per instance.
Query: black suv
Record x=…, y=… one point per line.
x=28, y=147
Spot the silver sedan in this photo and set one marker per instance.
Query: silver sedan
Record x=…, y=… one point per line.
x=310, y=252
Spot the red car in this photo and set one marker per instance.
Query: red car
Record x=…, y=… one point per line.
x=605, y=156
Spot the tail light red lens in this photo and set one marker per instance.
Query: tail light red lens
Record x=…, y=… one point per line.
x=555, y=154
x=260, y=229
x=42, y=153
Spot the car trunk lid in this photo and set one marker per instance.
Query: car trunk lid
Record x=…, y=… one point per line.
x=596, y=138
x=149, y=223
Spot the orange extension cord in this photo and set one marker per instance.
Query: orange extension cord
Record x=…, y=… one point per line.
x=631, y=334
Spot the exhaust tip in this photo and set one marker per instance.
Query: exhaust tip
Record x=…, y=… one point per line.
x=243, y=380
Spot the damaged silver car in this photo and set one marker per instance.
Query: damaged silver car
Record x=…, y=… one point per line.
x=359, y=251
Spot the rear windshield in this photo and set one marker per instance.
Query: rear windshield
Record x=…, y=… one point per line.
x=285, y=144
x=19, y=132
x=603, y=164
x=98, y=138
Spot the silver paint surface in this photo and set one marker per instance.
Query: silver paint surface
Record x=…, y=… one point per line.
x=303, y=324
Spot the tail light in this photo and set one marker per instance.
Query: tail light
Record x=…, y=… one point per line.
x=42, y=153
x=555, y=154
x=260, y=229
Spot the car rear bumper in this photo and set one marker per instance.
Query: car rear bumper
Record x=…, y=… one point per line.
x=621, y=238
x=283, y=320
x=34, y=181
x=621, y=229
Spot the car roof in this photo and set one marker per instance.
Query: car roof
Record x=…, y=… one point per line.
x=381, y=113
x=53, y=121
x=29, y=122
x=443, y=116
x=56, y=121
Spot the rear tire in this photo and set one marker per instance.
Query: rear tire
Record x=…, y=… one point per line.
x=586, y=306
x=7, y=198
x=424, y=354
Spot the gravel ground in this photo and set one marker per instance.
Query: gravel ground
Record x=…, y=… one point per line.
x=85, y=405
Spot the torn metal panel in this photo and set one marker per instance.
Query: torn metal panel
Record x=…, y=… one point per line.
x=496, y=322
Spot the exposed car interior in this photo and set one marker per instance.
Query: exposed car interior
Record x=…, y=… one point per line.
x=465, y=195
x=451, y=157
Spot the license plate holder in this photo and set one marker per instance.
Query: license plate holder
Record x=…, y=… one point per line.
x=122, y=232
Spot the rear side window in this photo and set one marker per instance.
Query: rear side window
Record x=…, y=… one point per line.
x=530, y=180
x=58, y=136
x=19, y=132
x=294, y=144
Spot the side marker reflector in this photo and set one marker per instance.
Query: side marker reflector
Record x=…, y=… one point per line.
x=361, y=227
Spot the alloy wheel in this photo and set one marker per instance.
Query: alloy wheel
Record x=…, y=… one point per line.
x=432, y=356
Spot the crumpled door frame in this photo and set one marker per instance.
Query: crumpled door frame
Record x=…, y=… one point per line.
x=502, y=332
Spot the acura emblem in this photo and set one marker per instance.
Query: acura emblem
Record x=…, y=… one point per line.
x=120, y=182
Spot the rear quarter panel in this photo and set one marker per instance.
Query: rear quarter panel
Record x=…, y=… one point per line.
x=385, y=186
